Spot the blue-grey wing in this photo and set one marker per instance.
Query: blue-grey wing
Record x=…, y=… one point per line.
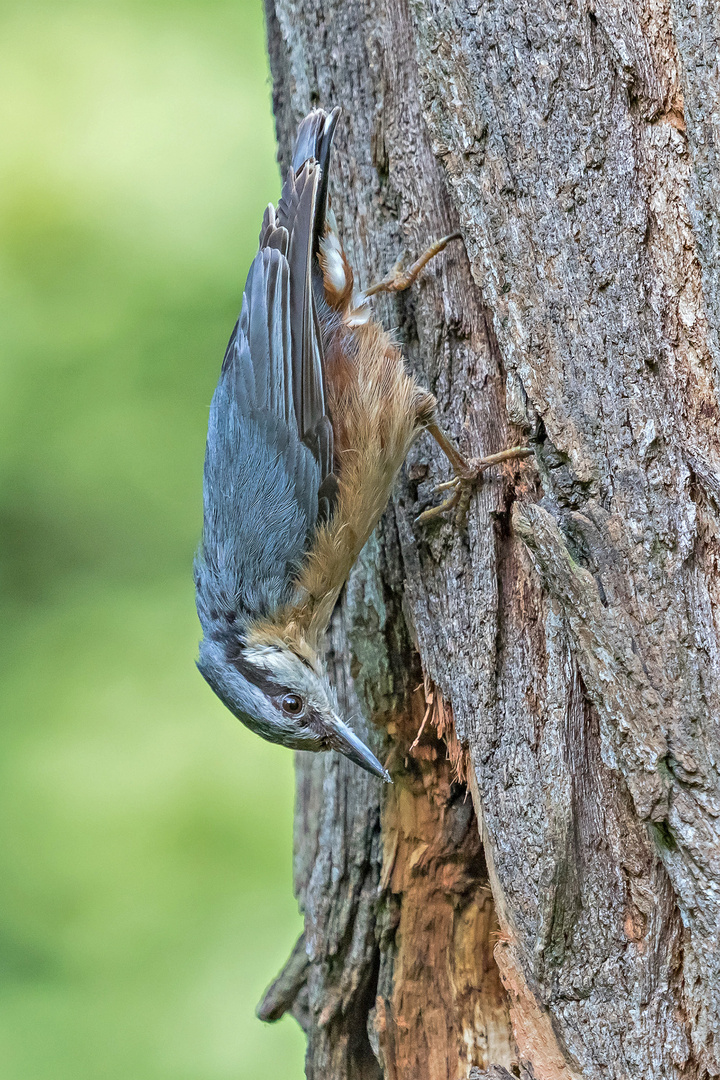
x=296, y=229
x=268, y=476
x=261, y=481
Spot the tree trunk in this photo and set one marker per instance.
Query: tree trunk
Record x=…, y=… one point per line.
x=539, y=891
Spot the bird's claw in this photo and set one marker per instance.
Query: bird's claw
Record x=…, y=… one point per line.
x=392, y=282
x=464, y=482
x=398, y=279
x=439, y=511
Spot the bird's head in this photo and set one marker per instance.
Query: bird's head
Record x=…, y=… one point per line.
x=283, y=697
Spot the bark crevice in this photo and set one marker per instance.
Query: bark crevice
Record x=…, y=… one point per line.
x=572, y=625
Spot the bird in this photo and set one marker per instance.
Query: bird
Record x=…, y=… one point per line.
x=310, y=423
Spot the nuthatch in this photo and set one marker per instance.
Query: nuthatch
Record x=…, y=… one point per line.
x=309, y=425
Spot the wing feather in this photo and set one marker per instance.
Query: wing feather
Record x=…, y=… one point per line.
x=268, y=468
x=261, y=481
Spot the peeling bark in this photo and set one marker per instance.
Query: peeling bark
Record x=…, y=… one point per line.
x=538, y=895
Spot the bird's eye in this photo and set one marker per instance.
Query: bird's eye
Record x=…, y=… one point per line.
x=292, y=704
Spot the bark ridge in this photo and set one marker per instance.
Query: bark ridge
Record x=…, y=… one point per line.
x=546, y=901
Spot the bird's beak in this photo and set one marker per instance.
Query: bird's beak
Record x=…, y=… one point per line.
x=343, y=739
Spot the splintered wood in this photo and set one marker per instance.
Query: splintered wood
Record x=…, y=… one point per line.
x=439, y=713
x=445, y=1009
x=573, y=624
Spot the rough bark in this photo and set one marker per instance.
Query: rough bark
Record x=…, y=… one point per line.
x=540, y=889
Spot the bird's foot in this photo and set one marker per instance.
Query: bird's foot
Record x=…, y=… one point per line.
x=398, y=279
x=467, y=475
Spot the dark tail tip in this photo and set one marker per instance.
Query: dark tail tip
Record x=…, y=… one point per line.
x=314, y=143
x=314, y=138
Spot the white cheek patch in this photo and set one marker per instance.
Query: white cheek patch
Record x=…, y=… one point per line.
x=333, y=262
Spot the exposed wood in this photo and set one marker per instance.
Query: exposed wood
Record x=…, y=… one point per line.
x=562, y=919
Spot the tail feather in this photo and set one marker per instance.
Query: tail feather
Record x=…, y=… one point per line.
x=314, y=143
x=296, y=228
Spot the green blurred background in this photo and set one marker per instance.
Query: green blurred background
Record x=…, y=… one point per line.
x=145, y=836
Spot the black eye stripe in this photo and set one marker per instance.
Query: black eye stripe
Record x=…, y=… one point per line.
x=314, y=720
x=264, y=681
x=259, y=677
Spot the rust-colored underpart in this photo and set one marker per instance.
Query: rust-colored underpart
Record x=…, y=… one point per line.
x=445, y=1009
